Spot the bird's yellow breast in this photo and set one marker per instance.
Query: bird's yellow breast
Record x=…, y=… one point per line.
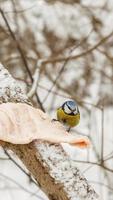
x=70, y=120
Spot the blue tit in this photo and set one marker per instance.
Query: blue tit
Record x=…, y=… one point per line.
x=69, y=114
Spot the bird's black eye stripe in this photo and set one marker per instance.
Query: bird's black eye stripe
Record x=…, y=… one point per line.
x=69, y=107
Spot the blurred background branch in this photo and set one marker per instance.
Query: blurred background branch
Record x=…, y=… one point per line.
x=74, y=41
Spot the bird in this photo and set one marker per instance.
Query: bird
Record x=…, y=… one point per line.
x=68, y=114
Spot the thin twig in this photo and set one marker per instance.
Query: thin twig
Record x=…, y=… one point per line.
x=34, y=85
x=94, y=163
x=102, y=135
x=23, y=188
x=5, y=151
x=109, y=158
x=22, y=55
x=62, y=59
x=36, y=79
x=64, y=65
x=102, y=184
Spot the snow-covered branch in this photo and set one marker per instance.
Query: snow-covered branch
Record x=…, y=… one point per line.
x=56, y=174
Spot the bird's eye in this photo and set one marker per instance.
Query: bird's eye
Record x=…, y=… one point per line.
x=66, y=109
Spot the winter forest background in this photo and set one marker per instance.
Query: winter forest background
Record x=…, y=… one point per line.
x=67, y=47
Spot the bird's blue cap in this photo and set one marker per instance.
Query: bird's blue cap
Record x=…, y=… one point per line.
x=71, y=104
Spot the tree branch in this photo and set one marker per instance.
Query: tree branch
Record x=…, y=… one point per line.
x=21, y=54
x=80, y=55
x=55, y=173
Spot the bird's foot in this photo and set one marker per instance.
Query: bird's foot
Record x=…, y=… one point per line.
x=68, y=130
x=55, y=120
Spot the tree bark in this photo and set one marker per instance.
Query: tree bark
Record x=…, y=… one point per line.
x=54, y=171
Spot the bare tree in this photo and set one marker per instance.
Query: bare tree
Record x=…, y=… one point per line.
x=63, y=49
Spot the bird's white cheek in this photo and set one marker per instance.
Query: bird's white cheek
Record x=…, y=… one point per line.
x=75, y=112
x=67, y=110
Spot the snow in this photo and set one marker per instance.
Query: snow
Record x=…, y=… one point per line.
x=47, y=16
x=65, y=171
